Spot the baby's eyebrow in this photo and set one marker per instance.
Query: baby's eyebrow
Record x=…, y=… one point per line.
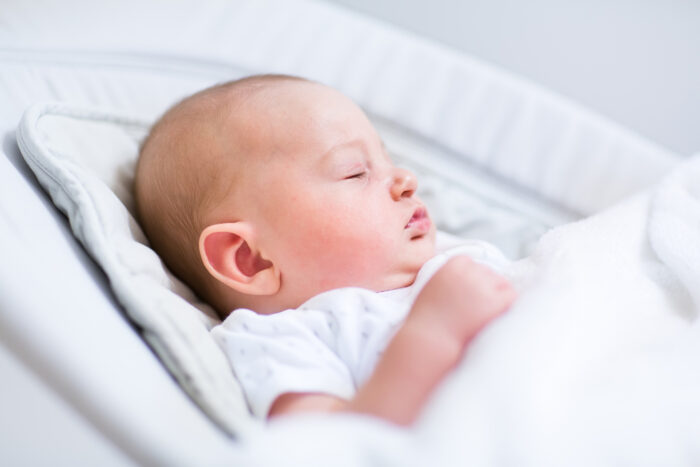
x=355, y=143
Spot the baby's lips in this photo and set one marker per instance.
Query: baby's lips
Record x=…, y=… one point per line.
x=418, y=213
x=419, y=222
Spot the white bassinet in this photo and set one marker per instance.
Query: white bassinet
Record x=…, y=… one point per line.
x=498, y=158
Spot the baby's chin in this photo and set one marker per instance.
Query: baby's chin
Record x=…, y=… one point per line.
x=407, y=282
x=399, y=280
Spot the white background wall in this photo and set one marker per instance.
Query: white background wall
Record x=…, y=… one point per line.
x=635, y=61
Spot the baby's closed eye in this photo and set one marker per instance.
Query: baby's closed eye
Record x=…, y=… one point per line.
x=357, y=175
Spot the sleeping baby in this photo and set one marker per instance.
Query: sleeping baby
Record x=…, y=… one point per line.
x=274, y=198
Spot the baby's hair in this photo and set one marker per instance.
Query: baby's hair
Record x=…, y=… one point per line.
x=175, y=181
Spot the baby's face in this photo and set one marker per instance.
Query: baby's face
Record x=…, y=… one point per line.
x=329, y=207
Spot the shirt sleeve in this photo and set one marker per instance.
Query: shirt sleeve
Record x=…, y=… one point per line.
x=277, y=354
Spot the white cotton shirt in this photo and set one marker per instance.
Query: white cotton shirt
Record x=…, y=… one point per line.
x=330, y=344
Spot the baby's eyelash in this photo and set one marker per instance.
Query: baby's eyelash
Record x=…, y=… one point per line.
x=357, y=175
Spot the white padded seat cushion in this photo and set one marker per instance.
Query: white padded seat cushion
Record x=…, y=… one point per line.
x=85, y=159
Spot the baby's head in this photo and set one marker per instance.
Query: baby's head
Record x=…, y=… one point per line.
x=266, y=191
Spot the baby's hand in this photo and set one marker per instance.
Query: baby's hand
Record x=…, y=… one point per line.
x=459, y=300
x=464, y=296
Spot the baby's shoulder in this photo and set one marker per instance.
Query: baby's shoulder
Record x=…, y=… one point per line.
x=346, y=300
x=329, y=317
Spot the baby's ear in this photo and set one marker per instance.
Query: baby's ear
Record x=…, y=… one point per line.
x=230, y=254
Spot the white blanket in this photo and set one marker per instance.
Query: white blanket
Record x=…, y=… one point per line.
x=599, y=360
x=597, y=363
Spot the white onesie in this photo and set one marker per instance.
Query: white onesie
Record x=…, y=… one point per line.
x=331, y=343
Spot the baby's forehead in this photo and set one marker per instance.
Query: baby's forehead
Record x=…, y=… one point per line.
x=292, y=110
x=288, y=118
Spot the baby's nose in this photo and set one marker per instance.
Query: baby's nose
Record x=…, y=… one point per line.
x=403, y=184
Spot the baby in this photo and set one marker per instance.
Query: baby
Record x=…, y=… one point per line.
x=274, y=196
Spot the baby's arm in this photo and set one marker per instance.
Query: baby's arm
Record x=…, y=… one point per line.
x=458, y=301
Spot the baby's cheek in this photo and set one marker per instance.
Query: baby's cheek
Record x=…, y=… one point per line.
x=346, y=260
x=335, y=244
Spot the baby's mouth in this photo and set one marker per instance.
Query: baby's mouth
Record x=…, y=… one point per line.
x=419, y=223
